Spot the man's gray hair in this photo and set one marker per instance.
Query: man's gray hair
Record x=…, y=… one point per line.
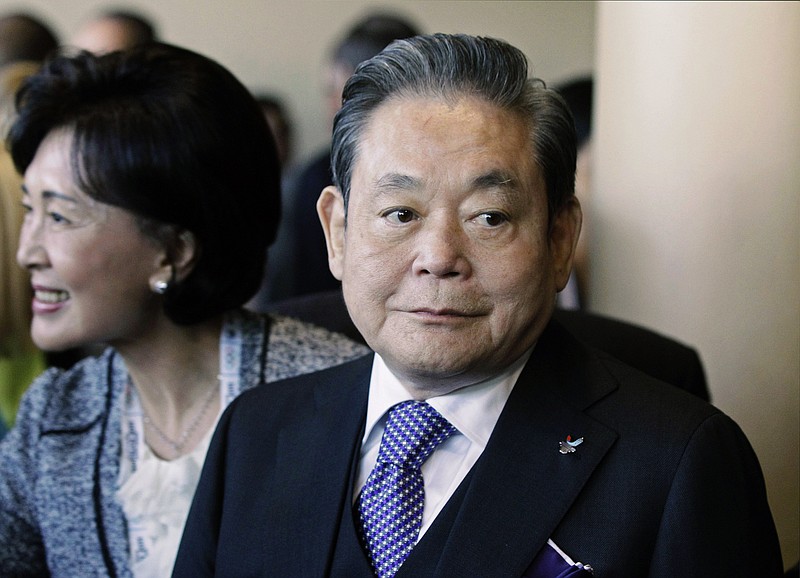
x=450, y=67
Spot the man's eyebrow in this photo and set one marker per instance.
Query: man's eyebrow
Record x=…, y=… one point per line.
x=396, y=182
x=491, y=180
x=495, y=180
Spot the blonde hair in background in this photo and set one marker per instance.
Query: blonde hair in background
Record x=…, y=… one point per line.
x=15, y=290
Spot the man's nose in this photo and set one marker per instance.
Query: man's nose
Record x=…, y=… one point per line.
x=441, y=249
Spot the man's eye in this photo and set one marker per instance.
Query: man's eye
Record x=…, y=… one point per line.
x=400, y=216
x=492, y=219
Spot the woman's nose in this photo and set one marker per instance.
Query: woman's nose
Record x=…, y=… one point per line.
x=30, y=252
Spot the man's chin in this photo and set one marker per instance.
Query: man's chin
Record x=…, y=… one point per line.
x=425, y=376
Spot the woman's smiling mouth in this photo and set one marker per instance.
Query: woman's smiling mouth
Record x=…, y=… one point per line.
x=46, y=300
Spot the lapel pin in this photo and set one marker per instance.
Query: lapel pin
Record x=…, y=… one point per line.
x=568, y=446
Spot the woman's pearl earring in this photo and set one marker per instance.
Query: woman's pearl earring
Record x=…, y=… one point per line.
x=160, y=287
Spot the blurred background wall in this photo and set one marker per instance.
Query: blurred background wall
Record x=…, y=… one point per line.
x=696, y=204
x=695, y=211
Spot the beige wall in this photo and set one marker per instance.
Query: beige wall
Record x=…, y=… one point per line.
x=695, y=214
x=696, y=207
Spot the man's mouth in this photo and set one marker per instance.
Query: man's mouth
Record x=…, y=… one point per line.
x=448, y=311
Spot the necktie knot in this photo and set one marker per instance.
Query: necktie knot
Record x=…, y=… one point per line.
x=413, y=431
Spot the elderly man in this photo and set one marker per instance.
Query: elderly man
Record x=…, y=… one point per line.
x=480, y=439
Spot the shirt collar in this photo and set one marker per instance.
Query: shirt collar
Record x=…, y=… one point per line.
x=473, y=410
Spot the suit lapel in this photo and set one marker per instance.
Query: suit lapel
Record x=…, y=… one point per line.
x=522, y=486
x=315, y=458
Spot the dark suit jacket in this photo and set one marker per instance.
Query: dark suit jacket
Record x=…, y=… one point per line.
x=655, y=354
x=664, y=485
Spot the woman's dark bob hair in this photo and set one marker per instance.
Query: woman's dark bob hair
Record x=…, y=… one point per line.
x=177, y=140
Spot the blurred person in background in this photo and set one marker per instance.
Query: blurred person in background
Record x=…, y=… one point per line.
x=578, y=94
x=281, y=256
x=25, y=41
x=25, y=37
x=20, y=359
x=114, y=30
x=305, y=240
x=281, y=126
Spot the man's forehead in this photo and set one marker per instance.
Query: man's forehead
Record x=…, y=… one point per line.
x=403, y=102
x=471, y=117
x=408, y=139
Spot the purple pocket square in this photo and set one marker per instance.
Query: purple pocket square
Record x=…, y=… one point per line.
x=551, y=563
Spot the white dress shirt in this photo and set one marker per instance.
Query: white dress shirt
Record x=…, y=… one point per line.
x=473, y=410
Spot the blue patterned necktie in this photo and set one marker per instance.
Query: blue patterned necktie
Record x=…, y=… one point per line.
x=391, y=502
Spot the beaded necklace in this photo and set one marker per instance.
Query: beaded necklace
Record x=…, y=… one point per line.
x=134, y=418
x=177, y=446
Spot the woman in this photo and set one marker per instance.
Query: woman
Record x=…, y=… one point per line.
x=151, y=194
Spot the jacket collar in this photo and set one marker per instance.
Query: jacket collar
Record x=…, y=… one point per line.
x=88, y=391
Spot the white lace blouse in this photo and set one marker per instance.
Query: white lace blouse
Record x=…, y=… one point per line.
x=156, y=500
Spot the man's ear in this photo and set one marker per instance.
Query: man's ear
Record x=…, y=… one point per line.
x=564, y=232
x=330, y=208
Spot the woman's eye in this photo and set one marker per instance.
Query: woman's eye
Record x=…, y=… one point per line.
x=57, y=217
x=492, y=219
x=400, y=216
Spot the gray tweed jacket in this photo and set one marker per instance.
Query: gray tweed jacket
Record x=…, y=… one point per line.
x=59, y=465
